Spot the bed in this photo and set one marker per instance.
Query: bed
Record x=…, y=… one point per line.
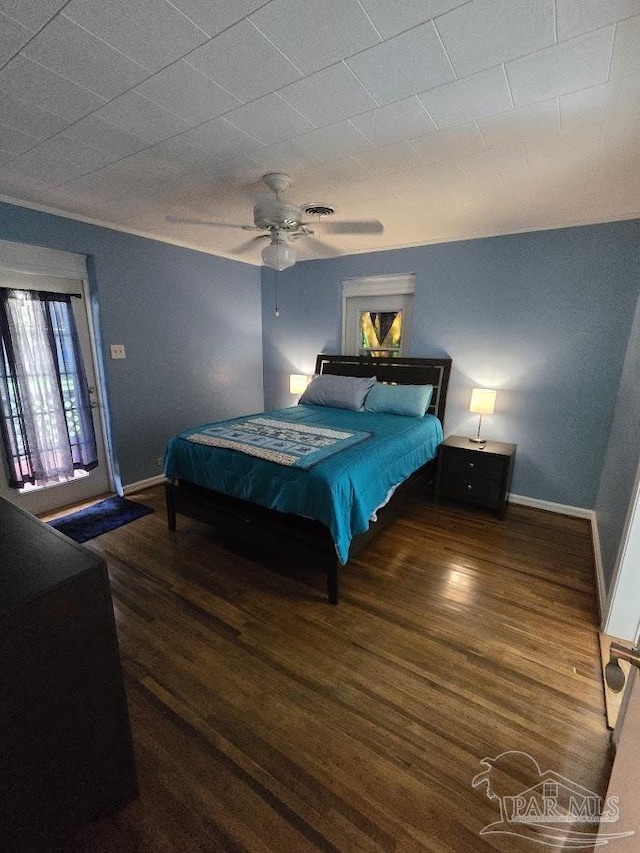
x=316, y=511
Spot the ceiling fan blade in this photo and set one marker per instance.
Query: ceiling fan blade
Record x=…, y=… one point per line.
x=248, y=244
x=320, y=248
x=187, y=220
x=362, y=226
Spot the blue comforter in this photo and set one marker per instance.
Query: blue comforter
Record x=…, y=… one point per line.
x=343, y=491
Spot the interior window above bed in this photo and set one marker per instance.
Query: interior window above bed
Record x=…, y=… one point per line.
x=376, y=318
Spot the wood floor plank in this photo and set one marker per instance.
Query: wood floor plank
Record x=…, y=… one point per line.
x=265, y=720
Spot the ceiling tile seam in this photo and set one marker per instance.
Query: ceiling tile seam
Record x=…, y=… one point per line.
x=228, y=27
x=46, y=23
x=221, y=114
x=436, y=124
x=508, y=82
x=149, y=146
x=601, y=27
x=151, y=73
x=295, y=109
x=231, y=94
x=550, y=46
x=482, y=136
x=145, y=143
x=446, y=52
x=344, y=60
x=90, y=171
x=68, y=80
x=29, y=136
x=235, y=126
x=191, y=21
x=364, y=86
x=146, y=146
x=357, y=130
x=431, y=163
x=168, y=3
x=131, y=132
x=453, y=9
x=575, y=38
x=20, y=23
x=35, y=34
x=559, y=111
x=371, y=21
x=106, y=101
x=26, y=33
x=613, y=44
x=555, y=21
x=275, y=46
x=102, y=41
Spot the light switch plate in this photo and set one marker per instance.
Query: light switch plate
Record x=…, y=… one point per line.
x=118, y=351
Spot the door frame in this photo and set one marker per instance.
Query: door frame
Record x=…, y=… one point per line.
x=398, y=284
x=53, y=263
x=621, y=618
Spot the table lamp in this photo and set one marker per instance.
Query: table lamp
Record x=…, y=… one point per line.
x=483, y=401
x=298, y=383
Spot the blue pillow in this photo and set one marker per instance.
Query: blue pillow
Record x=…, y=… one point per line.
x=340, y=392
x=409, y=400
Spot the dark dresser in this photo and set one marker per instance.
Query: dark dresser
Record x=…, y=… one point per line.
x=66, y=755
x=478, y=474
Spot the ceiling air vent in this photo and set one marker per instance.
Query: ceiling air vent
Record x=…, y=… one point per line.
x=318, y=210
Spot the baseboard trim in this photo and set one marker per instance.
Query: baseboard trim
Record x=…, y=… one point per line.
x=576, y=512
x=550, y=506
x=144, y=484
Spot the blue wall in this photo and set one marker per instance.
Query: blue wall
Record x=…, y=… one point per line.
x=191, y=324
x=544, y=317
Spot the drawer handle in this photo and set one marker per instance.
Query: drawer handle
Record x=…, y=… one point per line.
x=472, y=464
x=469, y=486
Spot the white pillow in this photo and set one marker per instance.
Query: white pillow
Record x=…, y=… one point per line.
x=339, y=392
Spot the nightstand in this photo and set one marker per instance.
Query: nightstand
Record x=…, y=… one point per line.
x=478, y=474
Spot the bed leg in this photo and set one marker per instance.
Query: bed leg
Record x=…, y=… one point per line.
x=171, y=507
x=332, y=583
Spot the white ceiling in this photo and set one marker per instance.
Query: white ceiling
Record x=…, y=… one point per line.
x=443, y=119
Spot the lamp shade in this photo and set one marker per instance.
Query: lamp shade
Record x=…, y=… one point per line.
x=483, y=401
x=279, y=255
x=298, y=383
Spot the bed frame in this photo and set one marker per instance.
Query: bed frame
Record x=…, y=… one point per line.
x=265, y=534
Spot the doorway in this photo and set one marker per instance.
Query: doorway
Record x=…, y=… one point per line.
x=75, y=482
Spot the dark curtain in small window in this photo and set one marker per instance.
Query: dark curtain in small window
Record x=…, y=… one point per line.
x=47, y=426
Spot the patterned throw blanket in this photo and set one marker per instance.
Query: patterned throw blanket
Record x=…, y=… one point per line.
x=300, y=446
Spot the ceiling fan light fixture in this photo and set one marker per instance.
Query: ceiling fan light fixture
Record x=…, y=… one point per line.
x=279, y=255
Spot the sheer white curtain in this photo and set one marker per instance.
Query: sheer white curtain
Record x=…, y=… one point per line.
x=47, y=427
x=45, y=422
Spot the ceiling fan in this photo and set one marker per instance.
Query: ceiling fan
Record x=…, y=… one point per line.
x=284, y=222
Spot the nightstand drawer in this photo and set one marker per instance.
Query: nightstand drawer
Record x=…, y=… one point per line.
x=473, y=464
x=471, y=489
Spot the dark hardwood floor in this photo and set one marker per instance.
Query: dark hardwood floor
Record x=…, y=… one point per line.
x=265, y=719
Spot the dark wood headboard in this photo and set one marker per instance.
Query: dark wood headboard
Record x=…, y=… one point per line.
x=403, y=371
